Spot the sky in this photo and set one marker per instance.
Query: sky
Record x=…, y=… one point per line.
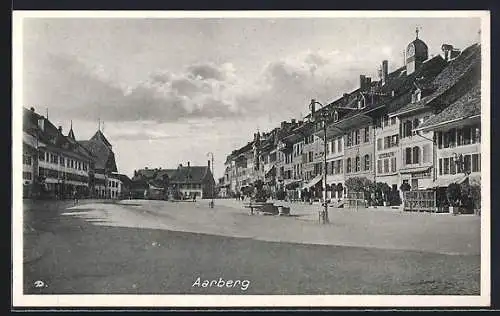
x=171, y=90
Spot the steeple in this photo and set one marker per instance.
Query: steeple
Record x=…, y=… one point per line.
x=416, y=32
x=71, y=134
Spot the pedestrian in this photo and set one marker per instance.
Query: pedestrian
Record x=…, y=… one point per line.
x=75, y=197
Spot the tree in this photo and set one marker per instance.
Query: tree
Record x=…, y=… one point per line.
x=453, y=194
x=358, y=184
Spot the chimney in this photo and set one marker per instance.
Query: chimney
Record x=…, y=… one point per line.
x=385, y=71
x=60, y=129
x=180, y=165
x=283, y=124
x=146, y=168
x=32, y=109
x=362, y=82
x=208, y=165
x=368, y=81
x=447, y=49
x=189, y=164
x=293, y=121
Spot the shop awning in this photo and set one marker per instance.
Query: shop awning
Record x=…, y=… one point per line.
x=313, y=182
x=293, y=184
x=417, y=169
x=446, y=181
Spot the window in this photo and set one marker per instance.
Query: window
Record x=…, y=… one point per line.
x=453, y=166
x=310, y=156
x=467, y=135
x=416, y=154
x=332, y=144
x=393, y=121
x=358, y=164
x=406, y=129
x=379, y=166
x=476, y=162
x=27, y=160
x=446, y=140
x=386, y=165
x=357, y=137
x=61, y=161
x=349, y=139
x=335, y=116
x=340, y=166
x=367, y=162
x=395, y=140
x=393, y=164
x=440, y=166
x=460, y=137
x=41, y=156
x=26, y=175
x=339, y=144
x=415, y=125
x=476, y=135
x=452, y=138
x=446, y=166
x=349, y=165
x=467, y=163
x=426, y=153
x=408, y=156
x=387, y=142
x=367, y=135
x=386, y=121
x=379, y=144
x=439, y=136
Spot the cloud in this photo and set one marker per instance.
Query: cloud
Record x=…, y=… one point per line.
x=280, y=91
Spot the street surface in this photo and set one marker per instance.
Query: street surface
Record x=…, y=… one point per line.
x=159, y=247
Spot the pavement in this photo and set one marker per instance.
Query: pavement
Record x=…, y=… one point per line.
x=383, y=228
x=159, y=247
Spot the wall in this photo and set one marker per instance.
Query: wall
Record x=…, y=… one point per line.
x=365, y=147
x=388, y=153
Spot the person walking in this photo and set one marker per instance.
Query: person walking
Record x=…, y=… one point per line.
x=75, y=196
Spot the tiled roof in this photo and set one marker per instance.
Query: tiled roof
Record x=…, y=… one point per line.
x=192, y=174
x=99, y=136
x=124, y=179
x=104, y=156
x=52, y=137
x=466, y=67
x=468, y=105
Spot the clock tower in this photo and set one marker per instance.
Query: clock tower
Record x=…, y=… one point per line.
x=416, y=54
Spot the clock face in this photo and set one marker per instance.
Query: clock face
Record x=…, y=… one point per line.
x=411, y=50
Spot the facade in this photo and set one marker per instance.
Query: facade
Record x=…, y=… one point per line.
x=54, y=165
x=394, y=130
x=458, y=137
x=185, y=182
x=387, y=152
x=105, y=164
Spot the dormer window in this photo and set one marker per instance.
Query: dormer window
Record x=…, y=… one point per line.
x=335, y=116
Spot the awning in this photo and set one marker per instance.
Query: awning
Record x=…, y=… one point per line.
x=417, y=169
x=293, y=184
x=313, y=182
x=445, y=181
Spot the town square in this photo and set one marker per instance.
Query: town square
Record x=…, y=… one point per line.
x=262, y=156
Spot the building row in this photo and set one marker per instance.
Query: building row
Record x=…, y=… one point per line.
x=57, y=165
x=418, y=125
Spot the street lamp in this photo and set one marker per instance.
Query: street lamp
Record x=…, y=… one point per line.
x=323, y=118
x=210, y=154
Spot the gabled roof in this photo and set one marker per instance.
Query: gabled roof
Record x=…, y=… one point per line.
x=104, y=156
x=99, y=136
x=467, y=106
x=191, y=174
